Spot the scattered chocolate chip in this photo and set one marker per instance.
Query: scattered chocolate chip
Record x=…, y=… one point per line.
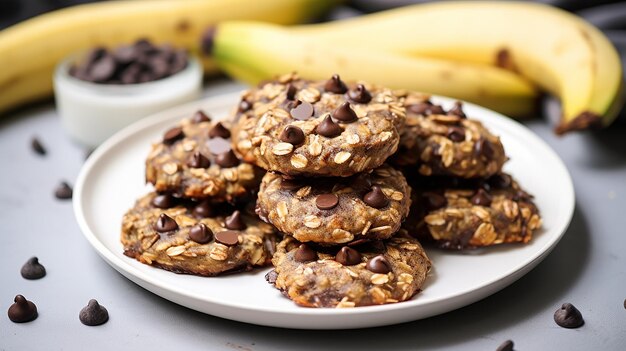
x=63, y=191
x=218, y=145
x=500, y=181
x=457, y=110
x=235, y=222
x=290, y=184
x=328, y=128
x=200, y=117
x=271, y=276
x=227, y=159
x=568, y=316
x=348, y=256
x=376, y=198
x=93, y=314
x=125, y=54
x=32, y=269
x=198, y=160
x=173, y=135
x=335, y=85
x=456, y=134
x=292, y=135
x=436, y=110
x=506, y=346
x=244, y=106
x=219, y=130
x=200, y=233
x=326, y=201
x=360, y=95
x=22, y=310
x=305, y=254
x=36, y=145
x=345, y=113
x=102, y=69
x=227, y=237
x=379, y=264
x=481, y=198
x=483, y=148
x=291, y=92
x=302, y=111
x=163, y=201
x=165, y=224
x=421, y=108
x=203, y=210
x=434, y=201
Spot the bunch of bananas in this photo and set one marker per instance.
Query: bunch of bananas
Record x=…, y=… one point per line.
x=496, y=54
x=29, y=51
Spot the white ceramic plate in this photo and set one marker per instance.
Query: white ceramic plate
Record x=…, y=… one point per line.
x=113, y=178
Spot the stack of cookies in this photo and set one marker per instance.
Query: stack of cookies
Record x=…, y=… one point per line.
x=330, y=167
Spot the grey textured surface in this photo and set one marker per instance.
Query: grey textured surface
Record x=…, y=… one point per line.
x=587, y=268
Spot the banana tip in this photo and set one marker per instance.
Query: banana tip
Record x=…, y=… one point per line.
x=585, y=120
x=208, y=39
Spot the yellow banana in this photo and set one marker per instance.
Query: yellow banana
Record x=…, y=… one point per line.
x=556, y=50
x=253, y=52
x=30, y=50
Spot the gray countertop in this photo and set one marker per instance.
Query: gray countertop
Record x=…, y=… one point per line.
x=587, y=268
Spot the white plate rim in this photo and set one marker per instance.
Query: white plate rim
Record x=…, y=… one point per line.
x=152, y=284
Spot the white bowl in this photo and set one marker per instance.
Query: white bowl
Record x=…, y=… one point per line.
x=91, y=112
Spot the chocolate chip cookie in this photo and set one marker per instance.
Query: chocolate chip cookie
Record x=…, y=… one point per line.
x=195, y=160
x=317, y=128
x=336, y=210
x=370, y=274
x=442, y=142
x=461, y=214
x=195, y=238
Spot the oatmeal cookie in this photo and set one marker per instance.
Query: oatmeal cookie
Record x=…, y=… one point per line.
x=195, y=160
x=447, y=143
x=460, y=214
x=336, y=210
x=370, y=274
x=317, y=128
x=195, y=238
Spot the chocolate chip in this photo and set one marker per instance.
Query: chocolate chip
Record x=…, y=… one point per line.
x=345, y=113
x=271, y=276
x=125, y=54
x=483, y=148
x=290, y=184
x=63, y=191
x=305, y=254
x=335, y=85
x=36, y=145
x=436, y=110
x=348, y=256
x=102, y=69
x=32, y=269
x=22, y=310
x=457, y=110
x=200, y=117
x=235, y=222
x=360, y=95
x=292, y=135
x=165, y=224
x=376, y=198
x=198, y=160
x=302, y=111
x=500, y=181
x=244, y=106
x=200, y=233
x=434, y=201
x=420, y=108
x=173, y=135
x=227, y=159
x=219, y=130
x=218, y=145
x=203, y=210
x=93, y=314
x=379, y=264
x=291, y=92
x=481, y=198
x=227, y=237
x=568, y=316
x=328, y=128
x=326, y=201
x=163, y=201
x=456, y=134
x=506, y=346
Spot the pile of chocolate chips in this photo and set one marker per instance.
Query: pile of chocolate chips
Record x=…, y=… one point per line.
x=130, y=64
